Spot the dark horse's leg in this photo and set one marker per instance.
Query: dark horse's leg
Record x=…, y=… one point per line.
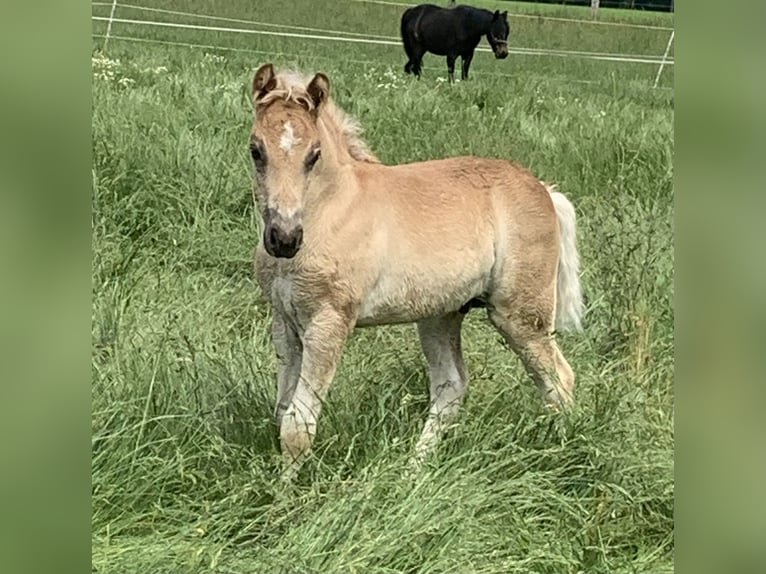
x=415, y=54
x=451, y=67
x=466, y=64
x=415, y=64
x=411, y=40
x=407, y=39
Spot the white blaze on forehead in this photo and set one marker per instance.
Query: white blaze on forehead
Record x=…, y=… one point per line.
x=288, y=140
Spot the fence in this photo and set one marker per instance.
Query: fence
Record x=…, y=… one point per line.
x=321, y=34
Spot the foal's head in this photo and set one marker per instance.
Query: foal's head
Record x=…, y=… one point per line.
x=285, y=147
x=498, y=34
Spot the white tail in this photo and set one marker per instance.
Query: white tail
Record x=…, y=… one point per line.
x=569, y=305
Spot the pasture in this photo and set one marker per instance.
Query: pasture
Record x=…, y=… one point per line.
x=185, y=455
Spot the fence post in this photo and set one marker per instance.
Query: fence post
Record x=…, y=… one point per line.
x=664, y=58
x=109, y=25
x=594, y=4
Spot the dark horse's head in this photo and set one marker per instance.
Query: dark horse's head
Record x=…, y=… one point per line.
x=498, y=34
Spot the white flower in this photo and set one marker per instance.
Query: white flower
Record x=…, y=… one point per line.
x=103, y=67
x=212, y=58
x=98, y=60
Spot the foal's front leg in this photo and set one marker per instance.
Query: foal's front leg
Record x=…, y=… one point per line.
x=323, y=341
x=289, y=348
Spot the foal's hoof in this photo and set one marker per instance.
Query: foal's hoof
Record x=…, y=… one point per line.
x=558, y=400
x=289, y=472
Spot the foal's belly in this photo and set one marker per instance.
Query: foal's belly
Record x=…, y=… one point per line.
x=404, y=298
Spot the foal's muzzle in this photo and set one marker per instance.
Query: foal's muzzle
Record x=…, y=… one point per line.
x=282, y=237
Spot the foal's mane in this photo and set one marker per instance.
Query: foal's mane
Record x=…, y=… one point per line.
x=291, y=87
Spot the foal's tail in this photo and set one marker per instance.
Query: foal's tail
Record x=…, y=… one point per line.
x=569, y=303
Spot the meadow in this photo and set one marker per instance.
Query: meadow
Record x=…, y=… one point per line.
x=185, y=455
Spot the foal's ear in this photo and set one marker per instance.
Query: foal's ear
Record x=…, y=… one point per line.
x=264, y=81
x=318, y=89
x=496, y=15
x=505, y=15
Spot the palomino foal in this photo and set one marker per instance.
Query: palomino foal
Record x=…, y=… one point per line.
x=348, y=241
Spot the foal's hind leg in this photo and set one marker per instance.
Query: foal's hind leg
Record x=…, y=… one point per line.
x=528, y=329
x=440, y=339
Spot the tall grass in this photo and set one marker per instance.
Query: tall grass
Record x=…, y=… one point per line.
x=185, y=455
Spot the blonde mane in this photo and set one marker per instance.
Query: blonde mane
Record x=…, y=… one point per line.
x=291, y=87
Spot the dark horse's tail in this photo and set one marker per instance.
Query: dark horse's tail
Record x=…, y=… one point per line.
x=408, y=36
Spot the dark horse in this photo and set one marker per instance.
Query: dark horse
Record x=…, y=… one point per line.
x=451, y=32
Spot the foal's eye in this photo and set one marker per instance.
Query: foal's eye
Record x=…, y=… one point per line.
x=255, y=153
x=312, y=158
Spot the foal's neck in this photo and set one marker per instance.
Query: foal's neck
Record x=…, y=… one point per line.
x=336, y=158
x=335, y=146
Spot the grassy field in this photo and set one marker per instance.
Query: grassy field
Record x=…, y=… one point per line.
x=185, y=455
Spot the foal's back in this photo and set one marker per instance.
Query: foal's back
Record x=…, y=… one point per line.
x=468, y=190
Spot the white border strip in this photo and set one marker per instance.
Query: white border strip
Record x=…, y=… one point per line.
x=521, y=51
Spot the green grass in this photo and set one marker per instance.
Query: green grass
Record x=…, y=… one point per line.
x=185, y=456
